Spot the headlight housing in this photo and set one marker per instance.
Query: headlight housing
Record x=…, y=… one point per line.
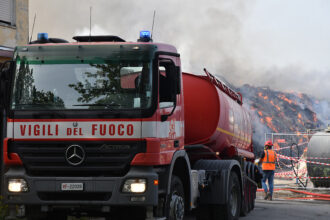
x=135, y=186
x=17, y=185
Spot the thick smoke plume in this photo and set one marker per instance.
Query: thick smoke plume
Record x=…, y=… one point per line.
x=207, y=34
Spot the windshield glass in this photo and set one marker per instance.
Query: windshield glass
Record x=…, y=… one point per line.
x=71, y=83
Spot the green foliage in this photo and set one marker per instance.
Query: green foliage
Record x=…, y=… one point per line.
x=26, y=92
x=3, y=209
x=105, y=83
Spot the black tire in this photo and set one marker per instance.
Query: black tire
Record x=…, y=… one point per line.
x=176, y=202
x=252, y=189
x=245, y=202
x=204, y=212
x=232, y=209
x=245, y=198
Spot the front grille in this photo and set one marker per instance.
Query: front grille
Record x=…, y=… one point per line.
x=85, y=196
x=102, y=158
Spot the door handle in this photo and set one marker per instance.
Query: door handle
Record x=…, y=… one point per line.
x=176, y=143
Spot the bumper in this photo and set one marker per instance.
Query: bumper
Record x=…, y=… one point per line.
x=104, y=191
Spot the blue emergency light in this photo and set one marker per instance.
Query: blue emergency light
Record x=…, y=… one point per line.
x=145, y=36
x=42, y=36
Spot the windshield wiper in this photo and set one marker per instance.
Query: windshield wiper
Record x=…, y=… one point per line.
x=99, y=104
x=37, y=105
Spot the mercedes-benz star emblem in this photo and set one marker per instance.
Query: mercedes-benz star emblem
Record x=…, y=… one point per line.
x=75, y=155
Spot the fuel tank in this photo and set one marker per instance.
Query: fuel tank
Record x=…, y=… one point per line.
x=213, y=118
x=319, y=153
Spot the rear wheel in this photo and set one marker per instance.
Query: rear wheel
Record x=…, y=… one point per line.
x=231, y=210
x=245, y=203
x=252, y=189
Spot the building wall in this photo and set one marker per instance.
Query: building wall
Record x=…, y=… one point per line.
x=17, y=33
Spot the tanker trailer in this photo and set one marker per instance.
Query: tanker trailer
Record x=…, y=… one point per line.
x=319, y=153
x=218, y=132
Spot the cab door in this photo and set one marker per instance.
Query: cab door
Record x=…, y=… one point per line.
x=170, y=101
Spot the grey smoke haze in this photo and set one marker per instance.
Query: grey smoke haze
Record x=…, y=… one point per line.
x=221, y=35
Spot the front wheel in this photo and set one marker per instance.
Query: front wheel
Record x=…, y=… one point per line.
x=176, y=200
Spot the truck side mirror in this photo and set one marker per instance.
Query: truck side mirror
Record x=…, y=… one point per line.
x=5, y=71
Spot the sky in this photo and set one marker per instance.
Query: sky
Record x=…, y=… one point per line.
x=282, y=44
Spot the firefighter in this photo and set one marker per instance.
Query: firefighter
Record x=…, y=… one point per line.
x=268, y=159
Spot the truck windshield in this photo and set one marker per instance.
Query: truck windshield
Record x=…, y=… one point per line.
x=43, y=83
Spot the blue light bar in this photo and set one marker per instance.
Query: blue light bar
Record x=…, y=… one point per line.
x=42, y=36
x=145, y=36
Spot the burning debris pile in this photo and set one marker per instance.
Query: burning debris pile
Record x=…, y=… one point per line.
x=280, y=112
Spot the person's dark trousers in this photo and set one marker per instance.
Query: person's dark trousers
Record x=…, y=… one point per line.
x=268, y=175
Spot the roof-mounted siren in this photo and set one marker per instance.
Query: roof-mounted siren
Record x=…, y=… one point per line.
x=145, y=36
x=43, y=39
x=42, y=36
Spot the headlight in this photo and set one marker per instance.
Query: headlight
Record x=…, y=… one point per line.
x=17, y=185
x=135, y=186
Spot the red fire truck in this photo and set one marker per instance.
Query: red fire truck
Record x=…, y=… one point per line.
x=107, y=127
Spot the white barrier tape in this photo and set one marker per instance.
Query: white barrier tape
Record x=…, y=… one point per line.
x=302, y=160
x=303, y=177
x=314, y=158
x=317, y=158
x=287, y=147
x=291, y=172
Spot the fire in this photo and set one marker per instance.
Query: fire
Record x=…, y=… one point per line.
x=269, y=119
x=260, y=113
x=270, y=124
x=285, y=99
x=276, y=106
x=300, y=119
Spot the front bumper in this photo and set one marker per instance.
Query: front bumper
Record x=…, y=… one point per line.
x=104, y=191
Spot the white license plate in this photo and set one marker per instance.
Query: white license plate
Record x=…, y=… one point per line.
x=72, y=186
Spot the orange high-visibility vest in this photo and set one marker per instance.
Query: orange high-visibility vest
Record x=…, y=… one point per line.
x=268, y=162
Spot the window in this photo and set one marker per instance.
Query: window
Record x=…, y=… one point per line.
x=167, y=93
x=7, y=12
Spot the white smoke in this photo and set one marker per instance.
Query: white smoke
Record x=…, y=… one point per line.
x=209, y=34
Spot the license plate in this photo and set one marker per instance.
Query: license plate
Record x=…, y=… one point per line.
x=72, y=186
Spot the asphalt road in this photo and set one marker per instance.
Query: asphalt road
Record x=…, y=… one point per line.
x=287, y=210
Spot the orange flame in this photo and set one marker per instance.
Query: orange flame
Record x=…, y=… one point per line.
x=276, y=106
x=270, y=124
x=285, y=99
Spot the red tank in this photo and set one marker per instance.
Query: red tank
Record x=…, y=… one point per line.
x=215, y=117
